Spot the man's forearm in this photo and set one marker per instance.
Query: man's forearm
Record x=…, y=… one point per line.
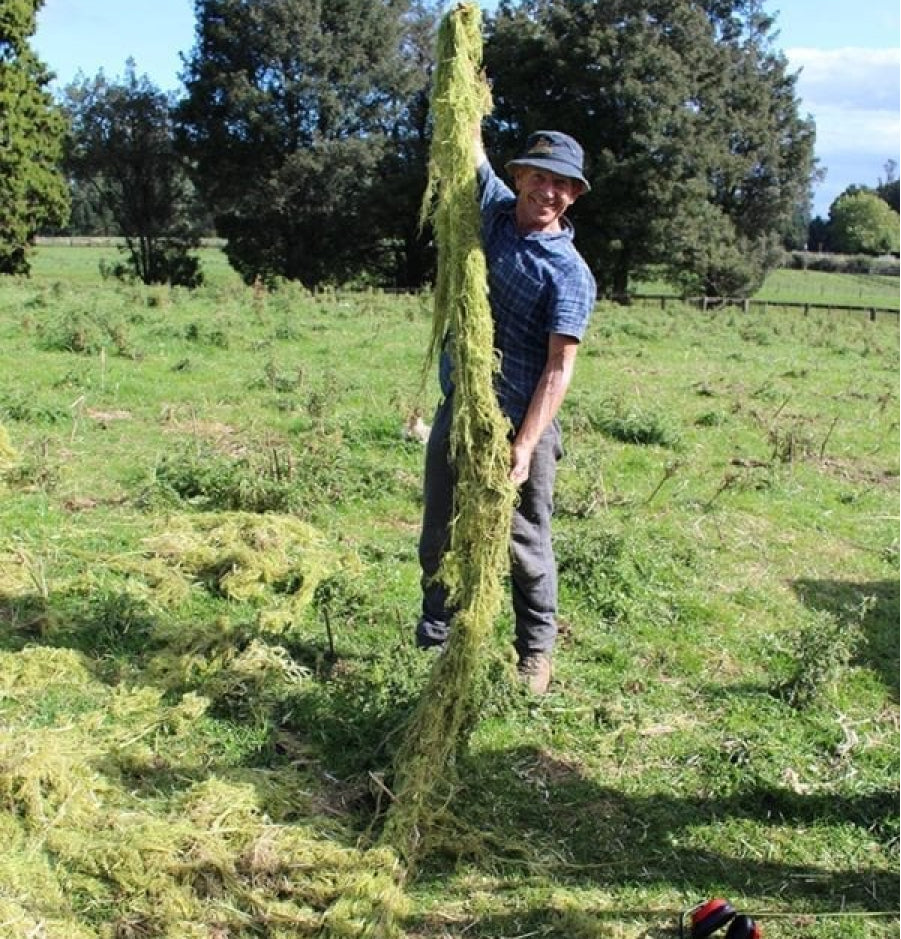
x=478, y=148
x=545, y=403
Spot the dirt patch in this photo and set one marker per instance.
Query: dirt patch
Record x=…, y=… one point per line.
x=222, y=437
x=86, y=503
x=854, y=472
x=105, y=417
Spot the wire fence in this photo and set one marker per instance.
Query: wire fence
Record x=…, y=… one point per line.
x=746, y=304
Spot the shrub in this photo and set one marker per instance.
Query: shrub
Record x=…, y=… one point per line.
x=845, y=263
x=21, y=405
x=214, y=481
x=820, y=651
x=83, y=332
x=597, y=568
x=631, y=424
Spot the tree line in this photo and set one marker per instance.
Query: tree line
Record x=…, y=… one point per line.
x=301, y=136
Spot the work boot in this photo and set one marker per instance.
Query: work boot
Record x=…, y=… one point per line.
x=535, y=671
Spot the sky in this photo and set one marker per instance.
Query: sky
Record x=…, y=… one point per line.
x=848, y=56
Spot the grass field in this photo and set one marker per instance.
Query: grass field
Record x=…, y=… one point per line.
x=82, y=264
x=814, y=287
x=841, y=289
x=208, y=584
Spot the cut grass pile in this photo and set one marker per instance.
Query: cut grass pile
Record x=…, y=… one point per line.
x=193, y=743
x=110, y=836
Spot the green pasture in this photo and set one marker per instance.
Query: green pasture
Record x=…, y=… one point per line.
x=82, y=265
x=208, y=584
x=866, y=290
x=784, y=285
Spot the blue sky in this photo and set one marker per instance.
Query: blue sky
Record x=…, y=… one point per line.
x=848, y=54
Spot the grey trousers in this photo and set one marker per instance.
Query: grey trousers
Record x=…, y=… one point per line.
x=533, y=569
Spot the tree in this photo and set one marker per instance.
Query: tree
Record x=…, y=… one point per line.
x=121, y=145
x=818, y=237
x=290, y=112
x=698, y=158
x=32, y=189
x=394, y=206
x=889, y=190
x=862, y=223
x=90, y=213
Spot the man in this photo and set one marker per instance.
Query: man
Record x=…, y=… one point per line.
x=541, y=294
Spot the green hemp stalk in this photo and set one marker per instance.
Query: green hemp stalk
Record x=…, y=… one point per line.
x=477, y=559
x=372, y=903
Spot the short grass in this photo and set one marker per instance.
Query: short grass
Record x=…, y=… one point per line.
x=208, y=584
x=82, y=264
x=864, y=290
x=814, y=287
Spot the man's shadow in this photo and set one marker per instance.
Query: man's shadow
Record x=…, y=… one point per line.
x=551, y=824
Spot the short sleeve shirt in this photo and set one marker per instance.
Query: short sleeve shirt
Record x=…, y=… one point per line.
x=538, y=284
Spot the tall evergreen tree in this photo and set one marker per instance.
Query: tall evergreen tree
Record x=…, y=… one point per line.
x=394, y=206
x=698, y=158
x=289, y=113
x=32, y=189
x=122, y=146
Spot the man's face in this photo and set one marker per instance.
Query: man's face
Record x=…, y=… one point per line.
x=542, y=197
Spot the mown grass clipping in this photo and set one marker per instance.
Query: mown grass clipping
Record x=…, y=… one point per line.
x=102, y=839
x=483, y=496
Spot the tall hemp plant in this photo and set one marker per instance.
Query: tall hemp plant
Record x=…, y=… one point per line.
x=483, y=495
x=372, y=902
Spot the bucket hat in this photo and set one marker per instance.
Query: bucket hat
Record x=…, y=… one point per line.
x=558, y=153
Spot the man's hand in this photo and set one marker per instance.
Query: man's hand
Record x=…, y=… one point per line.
x=520, y=461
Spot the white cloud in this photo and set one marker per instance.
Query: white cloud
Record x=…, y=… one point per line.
x=848, y=78
x=853, y=97
x=844, y=130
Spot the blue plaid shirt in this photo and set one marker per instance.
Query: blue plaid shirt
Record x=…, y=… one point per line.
x=538, y=284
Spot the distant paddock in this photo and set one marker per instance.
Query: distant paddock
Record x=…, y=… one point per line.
x=105, y=241
x=664, y=299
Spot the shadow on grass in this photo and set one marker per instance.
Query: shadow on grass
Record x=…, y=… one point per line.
x=552, y=826
x=550, y=923
x=102, y=623
x=23, y=620
x=871, y=607
x=302, y=706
